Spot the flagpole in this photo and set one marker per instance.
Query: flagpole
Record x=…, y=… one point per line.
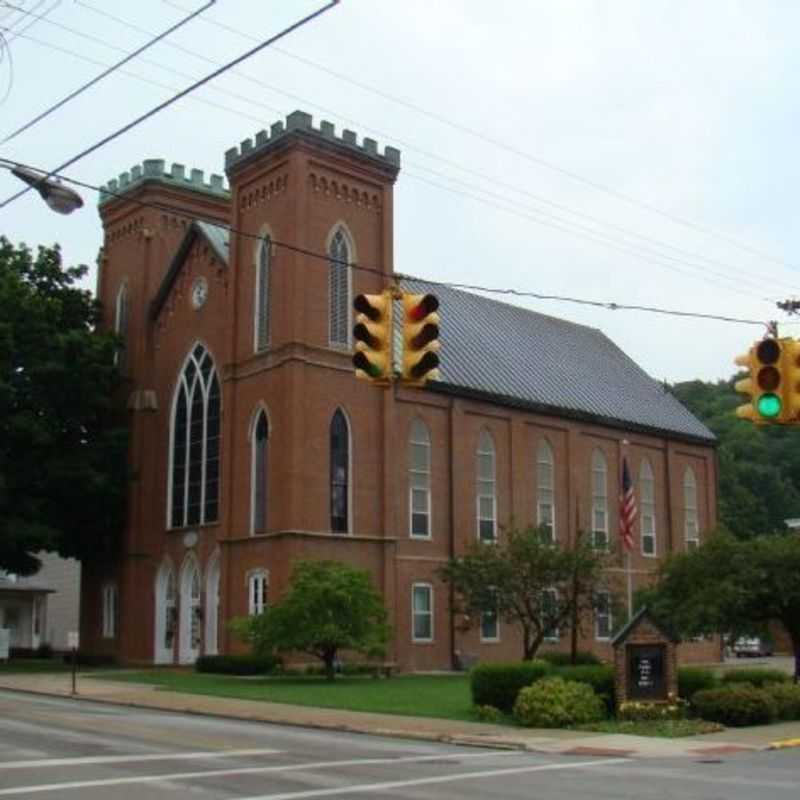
x=629, y=576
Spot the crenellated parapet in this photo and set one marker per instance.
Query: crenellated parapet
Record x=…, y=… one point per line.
x=154, y=169
x=300, y=123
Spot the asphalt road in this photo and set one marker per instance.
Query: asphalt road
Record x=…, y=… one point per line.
x=53, y=748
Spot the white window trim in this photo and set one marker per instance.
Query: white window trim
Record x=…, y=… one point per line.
x=265, y=241
x=490, y=639
x=351, y=257
x=414, y=612
x=557, y=637
x=411, y=488
x=691, y=533
x=110, y=610
x=546, y=449
x=648, y=508
x=254, y=578
x=180, y=382
x=478, y=481
x=600, y=502
x=609, y=614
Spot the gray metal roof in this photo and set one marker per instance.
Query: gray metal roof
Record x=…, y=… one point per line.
x=219, y=238
x=518, y=357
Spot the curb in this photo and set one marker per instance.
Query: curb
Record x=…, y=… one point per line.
x=783, y=744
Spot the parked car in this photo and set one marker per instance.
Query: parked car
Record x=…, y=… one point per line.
x=751, y=647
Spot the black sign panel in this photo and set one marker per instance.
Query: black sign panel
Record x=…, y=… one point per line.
x=646, y=679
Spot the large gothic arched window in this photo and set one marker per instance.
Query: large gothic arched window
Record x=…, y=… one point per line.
x=259, y=473
x=261, y=317
x=194, y=467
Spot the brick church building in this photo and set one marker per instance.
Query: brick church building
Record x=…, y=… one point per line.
x=252, y=445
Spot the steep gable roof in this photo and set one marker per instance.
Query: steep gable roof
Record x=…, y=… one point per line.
x=503, y=353
x=218, y=238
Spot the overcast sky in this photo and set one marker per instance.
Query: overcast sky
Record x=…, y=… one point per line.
x=641, y=153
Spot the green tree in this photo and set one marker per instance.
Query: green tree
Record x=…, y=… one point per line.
x=329, y=606
x=759, y=466
x=62, y=449
x=732, y=585
x=530, y=582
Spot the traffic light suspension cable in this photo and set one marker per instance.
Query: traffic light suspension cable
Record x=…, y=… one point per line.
x=397, y=276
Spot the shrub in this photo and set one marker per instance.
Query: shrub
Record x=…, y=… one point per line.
x=755, y=676
x=236, y=665
x=600, y=678
x=44, y=651
x=487, y=713
x=582, y=658
x=90, y=659
x=787, y=699
x=499, y=684
x=636, y=711
x=735, y=706
x=556, y=703
x=693, y=679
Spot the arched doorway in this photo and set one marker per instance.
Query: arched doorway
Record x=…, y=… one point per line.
x=191, y=612
x=166, y=615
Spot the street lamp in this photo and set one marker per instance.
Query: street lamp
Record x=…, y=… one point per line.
x=60, y=198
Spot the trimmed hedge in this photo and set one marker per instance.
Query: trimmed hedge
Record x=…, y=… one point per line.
x=693, y=679
x=556, y=703
x=582, y=658
x=600, y=678
x=787, y=699
x=499, y=684
x=236, y=665
x=755, y=676
x=736, y=706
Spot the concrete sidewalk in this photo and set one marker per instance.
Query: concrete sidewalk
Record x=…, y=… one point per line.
x=452, y=731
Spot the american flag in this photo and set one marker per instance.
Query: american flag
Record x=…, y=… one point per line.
x=627, y=508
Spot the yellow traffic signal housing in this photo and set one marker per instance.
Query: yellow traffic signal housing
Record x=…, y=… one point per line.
x=420, y=338
x=791, y=381
x=773, y=383
x=373, y=336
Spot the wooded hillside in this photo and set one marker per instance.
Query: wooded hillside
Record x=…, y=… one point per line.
x=759, y=465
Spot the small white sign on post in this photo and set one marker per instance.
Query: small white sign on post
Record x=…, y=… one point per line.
x=72, y=640
x=5, y=643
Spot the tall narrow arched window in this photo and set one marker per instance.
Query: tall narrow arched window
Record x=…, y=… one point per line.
x=545, y=497
x=261, y=305
x=121, y=328
x=194, y=467
x=259, y=473
x=340, y=473
x=647, y=498
x=599, y=500
x=419, y=480
x=690, y=525
x=339, y=290
x=486, y=489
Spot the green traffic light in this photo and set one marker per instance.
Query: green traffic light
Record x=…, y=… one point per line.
x=769, y=405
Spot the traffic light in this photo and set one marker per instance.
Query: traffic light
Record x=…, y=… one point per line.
x=765, y=384
x=791, y=381
x=420, y=338
x=373, y=334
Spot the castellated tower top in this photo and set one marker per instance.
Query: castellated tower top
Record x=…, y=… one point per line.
x=299, y=123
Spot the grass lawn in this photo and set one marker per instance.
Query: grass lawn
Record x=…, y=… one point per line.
x=445, y=696
x=666, y=729
x=34, y=665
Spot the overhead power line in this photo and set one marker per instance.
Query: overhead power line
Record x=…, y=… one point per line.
x=508, y=205
x=745, y=274
x=103, y=74
x=161, y=106
x=610, y=306
x=33, y=22
x=483, y=136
